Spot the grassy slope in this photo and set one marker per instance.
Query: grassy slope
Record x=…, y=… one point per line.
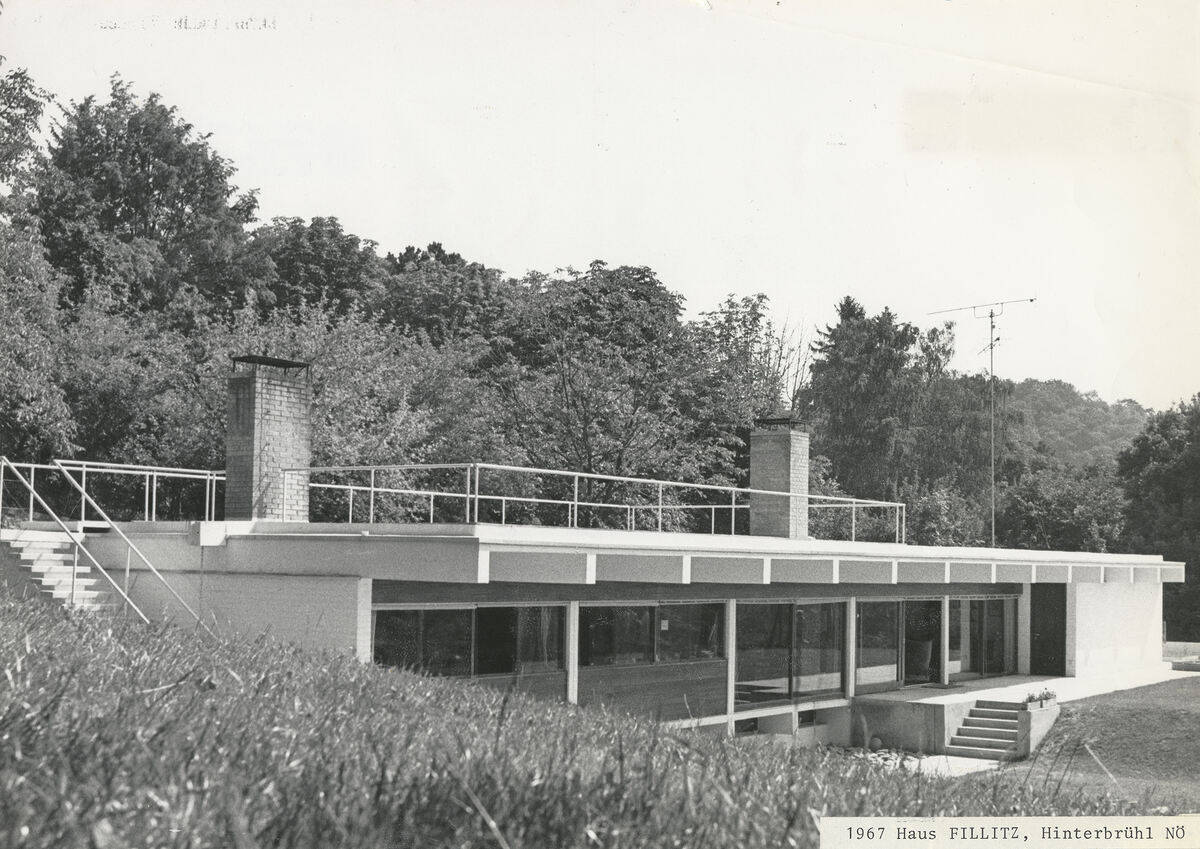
x=1143, y=740
x=121, y=735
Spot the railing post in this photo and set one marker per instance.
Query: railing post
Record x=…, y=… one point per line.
x=431, y=508
x=1, y=490
x=733, y=512
x=350, y=517
x=629, y=514
x=573, y=513
x=660, y=505
x=503, y=510
x=897, y=524
x=82, y=499
x=712, y=525
x=371, y=501
x=146, y=498
x=467, y=500
x=478, y=475
x=853, y=522
x=32, y=472
x=154, y=497
x=74, y=570
x=125, y=588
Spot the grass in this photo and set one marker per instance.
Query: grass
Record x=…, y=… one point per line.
x=1137, y=743
x=116, y=735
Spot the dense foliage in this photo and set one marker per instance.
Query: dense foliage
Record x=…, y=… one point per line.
x=118, y=735
x=132, y=269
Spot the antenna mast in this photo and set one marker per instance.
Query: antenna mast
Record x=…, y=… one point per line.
x=994, y=309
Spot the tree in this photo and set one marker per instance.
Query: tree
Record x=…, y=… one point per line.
x=22, y=103
x=35, y=420
x=317, y=262
x=1062, y=508
x=869, y=379
x=132, y=202
x=444, y=297
x=1160, y=472
x=598, y=376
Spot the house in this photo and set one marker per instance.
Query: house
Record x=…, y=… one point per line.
x=707, y=607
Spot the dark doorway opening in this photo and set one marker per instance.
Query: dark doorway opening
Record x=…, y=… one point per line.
x=922, y=641
x=1048, y=629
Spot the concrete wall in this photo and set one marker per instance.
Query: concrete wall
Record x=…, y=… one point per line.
x=320, y=612
x=1113, y=627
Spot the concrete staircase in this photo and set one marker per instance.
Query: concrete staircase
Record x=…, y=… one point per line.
x=50, y=561
x=989, y=732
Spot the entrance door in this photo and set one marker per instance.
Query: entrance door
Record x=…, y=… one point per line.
x=1048, y=629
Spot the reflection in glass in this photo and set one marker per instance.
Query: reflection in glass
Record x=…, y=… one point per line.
x=690, y=631
x=764, y=641
x=616, y=636
x=878, y=656
x=820, y=631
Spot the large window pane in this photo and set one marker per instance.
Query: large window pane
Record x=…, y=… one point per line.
x=398, y=638
x=616, y=635
x=764, y=644
x=690, y=631
x=495, y=640
x=434, y=641
x=540, y=639
x=820, y=636
x=446, y=642
x=878, y=659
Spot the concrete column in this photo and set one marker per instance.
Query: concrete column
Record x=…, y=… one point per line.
x=269, y=429
x=944, y=661
x=1024, y=632
x=731, y=660
x=364, y=638
x=779, y=463
x=572, y=652
x=850, y=655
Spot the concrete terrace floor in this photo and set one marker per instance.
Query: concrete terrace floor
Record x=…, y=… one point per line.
x=1014, y=688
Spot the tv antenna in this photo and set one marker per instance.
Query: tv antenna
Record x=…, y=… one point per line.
x=994, y=310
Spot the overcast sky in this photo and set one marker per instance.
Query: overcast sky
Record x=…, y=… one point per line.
x=920, y=155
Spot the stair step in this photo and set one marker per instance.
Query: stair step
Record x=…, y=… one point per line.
x=60, y=582
x=47, y=558
x=982, y=743
x=983, y=722
x=992, y=713
x=64, y=593
x=981, y=754
x=1009, y=734
x=992, y=705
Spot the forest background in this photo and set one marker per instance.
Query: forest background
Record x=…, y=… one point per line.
x=132, y=268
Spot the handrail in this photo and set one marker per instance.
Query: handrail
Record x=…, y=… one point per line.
x=104, y=516
x=77, y=538
x=472, y=493
x=152, y=475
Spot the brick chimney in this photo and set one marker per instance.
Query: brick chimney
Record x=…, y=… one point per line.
x=269, y=429
x=779, y=462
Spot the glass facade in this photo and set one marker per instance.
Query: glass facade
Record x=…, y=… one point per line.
x=878, y=649
x=787, y=651
x=481, y=641
x=625, y=636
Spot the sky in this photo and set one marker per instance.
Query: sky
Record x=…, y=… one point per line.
x=920, y=155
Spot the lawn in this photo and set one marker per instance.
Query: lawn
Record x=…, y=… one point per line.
x=1139, y=743
x=118, y=735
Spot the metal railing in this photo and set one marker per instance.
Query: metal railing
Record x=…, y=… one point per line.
x=15, y=474
x=150, y=477
x=503, y=494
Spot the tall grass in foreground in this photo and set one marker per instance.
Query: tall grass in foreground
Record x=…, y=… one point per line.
x=115, y=735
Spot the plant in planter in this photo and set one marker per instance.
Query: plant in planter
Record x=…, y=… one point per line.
x=1039, y=700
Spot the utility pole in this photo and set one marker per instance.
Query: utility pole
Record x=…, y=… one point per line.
x=994, y=310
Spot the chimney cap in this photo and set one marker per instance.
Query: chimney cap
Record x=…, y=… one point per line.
x=788, y=422
x=274, y=362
